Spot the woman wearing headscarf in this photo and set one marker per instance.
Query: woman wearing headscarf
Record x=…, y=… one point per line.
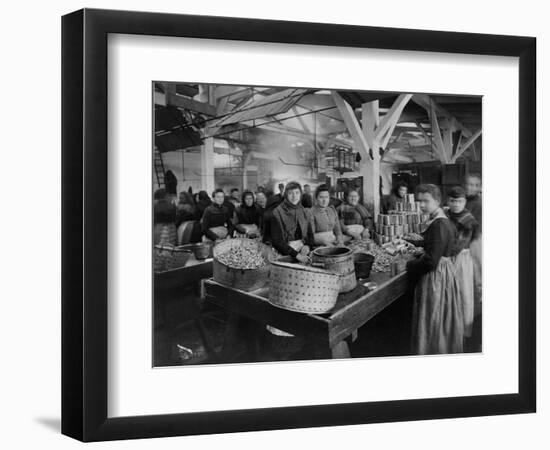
x=473, y=187
x=187, y=219
x=467, y=230
x=203, y=202
x=171, y=183
x=325, y=222
x=248, y=216
x=217, y=221
x=438, y=315
x=164, y=216
x=355, y=219
x=185, y=209
x=291, y=230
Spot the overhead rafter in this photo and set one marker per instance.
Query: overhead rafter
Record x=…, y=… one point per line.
x=439, y=146
x=389, y=121
x=171, y=98
x=427, y=103
x=467, y=145
x=347, y=113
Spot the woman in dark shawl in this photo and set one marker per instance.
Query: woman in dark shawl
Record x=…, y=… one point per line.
x=291, y=230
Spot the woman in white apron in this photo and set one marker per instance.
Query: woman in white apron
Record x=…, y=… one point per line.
x=248, y=216
x=291, y=234
x=217, y=220
x=325, y=222
x=467, y=229
x=355, y=219
x=438, y=315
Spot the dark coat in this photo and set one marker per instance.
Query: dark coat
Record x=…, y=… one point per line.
x=439, y=240
x=216, y=216
x=290, y=223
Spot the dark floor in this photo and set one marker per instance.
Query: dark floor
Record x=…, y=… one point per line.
x=181, y=339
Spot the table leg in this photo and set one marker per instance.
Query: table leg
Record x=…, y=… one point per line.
x=230, y=336
x=340, y=350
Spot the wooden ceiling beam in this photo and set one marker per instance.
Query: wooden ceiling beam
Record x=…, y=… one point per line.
x=171, y=98
x=467, y=145
x=352, y=124
x=439, y=147
x=426, y=102
x=389, y=121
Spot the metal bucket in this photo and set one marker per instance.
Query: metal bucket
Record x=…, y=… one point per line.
x=338, y=260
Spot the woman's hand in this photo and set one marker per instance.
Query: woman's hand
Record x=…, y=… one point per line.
x=302, y=258
x=305, y=250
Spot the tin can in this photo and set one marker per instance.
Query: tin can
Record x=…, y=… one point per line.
x=399, y=230
x=394, y=268
x=406, y=228
x=385, y=219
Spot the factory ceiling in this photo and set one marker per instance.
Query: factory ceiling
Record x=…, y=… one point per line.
x=226, y=112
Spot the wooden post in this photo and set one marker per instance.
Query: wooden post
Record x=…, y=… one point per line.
x=207, y=165
x=370, y=119
x=368, y=164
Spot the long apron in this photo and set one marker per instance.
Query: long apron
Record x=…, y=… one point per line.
x=475, y=251
x=438, y=315
x=465, y=277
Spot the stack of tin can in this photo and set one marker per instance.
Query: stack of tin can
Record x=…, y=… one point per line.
x=406, y=218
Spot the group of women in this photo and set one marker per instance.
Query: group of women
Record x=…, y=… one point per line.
x=283, y=220
x=443, y=309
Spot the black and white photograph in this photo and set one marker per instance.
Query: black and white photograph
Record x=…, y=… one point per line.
x=296, y=223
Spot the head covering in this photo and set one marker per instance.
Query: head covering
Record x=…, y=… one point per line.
x=457, y=192
x=243, y=197
x=159, y=194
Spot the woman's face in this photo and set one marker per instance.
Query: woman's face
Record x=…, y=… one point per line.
x=402, y=191
x=457, y=205
x=353, y=198
x=293, y=196
x=473, y=186
x=249, y=200
x=260, y=199
x=219, y=198
x=323, y=199
x=428, y=204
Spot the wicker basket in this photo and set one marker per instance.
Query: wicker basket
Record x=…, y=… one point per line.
x=169, y=257
x=242, y=279
x=302, y=288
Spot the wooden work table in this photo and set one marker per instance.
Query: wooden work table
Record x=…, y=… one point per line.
x=193, y=271
x=331, y=330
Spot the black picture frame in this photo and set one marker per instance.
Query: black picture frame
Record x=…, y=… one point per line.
x=84, y=224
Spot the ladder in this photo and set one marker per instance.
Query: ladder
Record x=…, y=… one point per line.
x=158, y=164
